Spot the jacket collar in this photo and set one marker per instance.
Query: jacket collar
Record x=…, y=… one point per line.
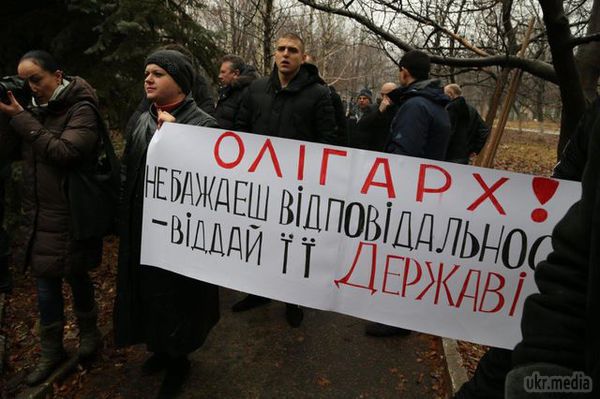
x=307, y=75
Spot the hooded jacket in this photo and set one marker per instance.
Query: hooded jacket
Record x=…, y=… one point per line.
x=53, y=141
x=421, y=127
x=302, y=110
x=230, y=98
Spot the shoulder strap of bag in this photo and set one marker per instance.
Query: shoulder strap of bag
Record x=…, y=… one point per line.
x=104, y=134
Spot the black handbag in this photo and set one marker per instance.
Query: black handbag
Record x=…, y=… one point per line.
x=93, y=192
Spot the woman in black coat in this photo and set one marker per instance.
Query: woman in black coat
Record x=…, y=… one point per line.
x=170, y=313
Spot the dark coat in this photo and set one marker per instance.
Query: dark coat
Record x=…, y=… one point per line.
x=375, y=128
x=169, y=312
x=230, y=98
x=358, y=134
x=53, y=141
x=561, y=323
x=468, y=132
x=302, y=110
x=421, y=127
x=340, y=116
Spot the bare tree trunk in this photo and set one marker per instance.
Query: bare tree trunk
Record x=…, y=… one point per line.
x=487, y=155
x=571, y=92
x=495, y=100
x=233, y=27
x=539, y=101
x=588, y=57
x=267, y=18
x=509, y=30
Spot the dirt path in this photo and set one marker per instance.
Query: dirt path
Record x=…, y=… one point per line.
x=256, y=355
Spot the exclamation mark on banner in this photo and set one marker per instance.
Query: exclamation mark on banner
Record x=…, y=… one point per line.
x=544, y=189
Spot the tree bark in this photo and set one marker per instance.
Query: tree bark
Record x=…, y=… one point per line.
x=571, y=91
x=267, y=18
x=588, y=57
x=496, y=97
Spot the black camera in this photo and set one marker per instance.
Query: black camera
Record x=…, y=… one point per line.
x=19, y=88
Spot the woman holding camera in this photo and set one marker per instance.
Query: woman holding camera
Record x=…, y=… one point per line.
x=170, y=313
x=55, y=133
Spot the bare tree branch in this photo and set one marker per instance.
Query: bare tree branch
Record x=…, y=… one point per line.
x=537, y=68
x=578, y=41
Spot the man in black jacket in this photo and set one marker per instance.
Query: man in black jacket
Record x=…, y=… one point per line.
x=235, y=77
x=291, y=103
x=357, y=137
x=420, y=128
x=468, y=131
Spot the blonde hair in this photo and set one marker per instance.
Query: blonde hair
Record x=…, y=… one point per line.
x=294, y=37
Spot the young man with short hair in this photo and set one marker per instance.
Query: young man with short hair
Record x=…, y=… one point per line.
x=292, y=103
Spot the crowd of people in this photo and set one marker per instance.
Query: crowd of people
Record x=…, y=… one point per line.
x=59, y=135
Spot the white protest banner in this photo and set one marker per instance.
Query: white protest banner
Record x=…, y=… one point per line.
x=430, y=246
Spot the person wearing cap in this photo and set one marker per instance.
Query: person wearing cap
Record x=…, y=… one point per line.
x=364, y=102
x=420, y=128
x=170, y=313
x=375, y=126
x=356, y=136
x=199, y=89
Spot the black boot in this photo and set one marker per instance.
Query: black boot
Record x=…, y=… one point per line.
x=5, y=276
x=250, y=302
x=178, y=369
x=90, y=337
x=53, y=353
x=294, y=315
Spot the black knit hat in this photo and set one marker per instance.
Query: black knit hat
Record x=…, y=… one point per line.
x=417, y=63
x=366, y=93
x=176, y=64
